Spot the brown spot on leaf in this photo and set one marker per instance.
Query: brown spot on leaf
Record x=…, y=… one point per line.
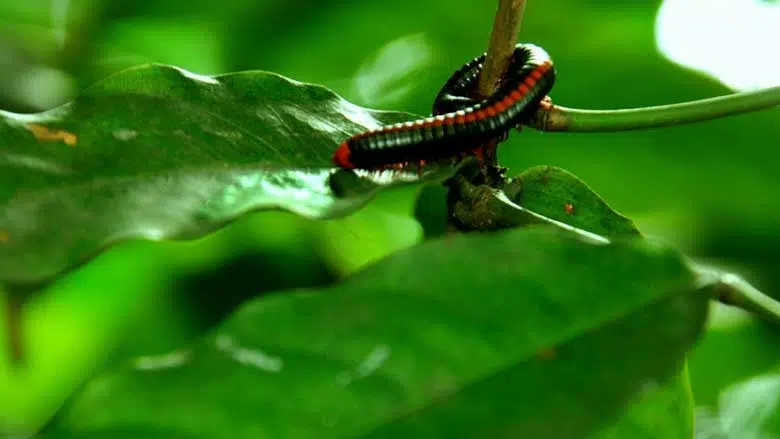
x=42, y=132
x=546, y=354
x=569, y=208
x=4, y=237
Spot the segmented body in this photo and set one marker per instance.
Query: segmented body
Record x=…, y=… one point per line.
x=460, y=124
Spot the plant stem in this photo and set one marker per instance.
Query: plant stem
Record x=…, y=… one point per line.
x=551, y=117
x=502, y=45
x=503, y=38
x=732, y=290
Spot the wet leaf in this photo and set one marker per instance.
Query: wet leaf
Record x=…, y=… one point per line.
x=157, y=152
x=528, y=332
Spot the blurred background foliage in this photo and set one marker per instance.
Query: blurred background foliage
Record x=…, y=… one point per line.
x=710, y=188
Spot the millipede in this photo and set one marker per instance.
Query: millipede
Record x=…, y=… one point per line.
x=460, y=125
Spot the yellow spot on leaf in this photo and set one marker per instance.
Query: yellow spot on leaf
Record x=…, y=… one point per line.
x=569, y=208
x=42, y=132
x=4, y=237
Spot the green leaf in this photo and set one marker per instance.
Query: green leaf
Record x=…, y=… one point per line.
x=157, y=152
x=663, y=411
x=736, y=347
x=430, y=210
x=528, y=332
x=735, y=376
x=559, y=195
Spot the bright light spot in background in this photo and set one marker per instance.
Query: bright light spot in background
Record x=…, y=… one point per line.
x=735, y=41
x=390, y=74
x=746, y=410
x=42, y=87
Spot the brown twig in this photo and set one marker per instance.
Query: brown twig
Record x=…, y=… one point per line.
x=502, y=45
x=499, y=55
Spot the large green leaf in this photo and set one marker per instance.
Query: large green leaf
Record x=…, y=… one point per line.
x=157, y=152
x=532, y=332
x=662, y=411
